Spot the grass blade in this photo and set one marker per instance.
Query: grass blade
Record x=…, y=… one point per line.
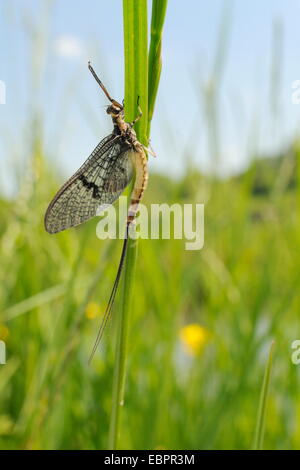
x=262, y=409
x=136, y=85
x=159, y=8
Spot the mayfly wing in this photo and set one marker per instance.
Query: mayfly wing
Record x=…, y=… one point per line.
x=98, y=182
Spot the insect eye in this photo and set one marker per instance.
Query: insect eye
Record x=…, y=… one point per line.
x=113, y=110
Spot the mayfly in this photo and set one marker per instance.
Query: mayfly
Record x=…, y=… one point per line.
x=100, y=181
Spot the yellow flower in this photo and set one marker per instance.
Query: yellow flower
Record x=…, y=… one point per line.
x=194, y=337
x=4, y=332
x=92, y=310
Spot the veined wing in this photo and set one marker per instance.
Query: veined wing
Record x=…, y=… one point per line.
x=99, y=181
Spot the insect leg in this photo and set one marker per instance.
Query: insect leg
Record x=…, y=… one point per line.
x=140, y=113
x=150, y=150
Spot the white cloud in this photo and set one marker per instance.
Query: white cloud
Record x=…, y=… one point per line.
x=68, y=46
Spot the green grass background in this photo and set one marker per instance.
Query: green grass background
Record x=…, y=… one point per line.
x=242, y=287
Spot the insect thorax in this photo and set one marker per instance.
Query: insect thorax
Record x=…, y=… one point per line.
x=125, y=130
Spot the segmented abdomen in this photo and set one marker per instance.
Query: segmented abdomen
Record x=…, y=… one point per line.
x=141, y=178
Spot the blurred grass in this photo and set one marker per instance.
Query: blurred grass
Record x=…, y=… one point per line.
x=241, y=290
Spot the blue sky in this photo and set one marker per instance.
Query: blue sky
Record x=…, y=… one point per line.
x=58, y=37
